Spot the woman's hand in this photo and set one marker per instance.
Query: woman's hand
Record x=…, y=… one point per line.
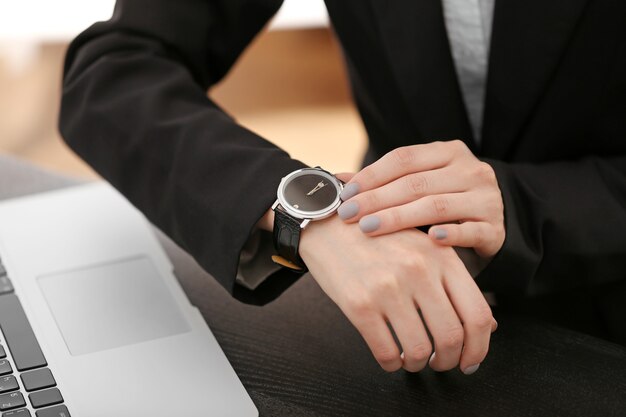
x=441, y=184
x=406, y=280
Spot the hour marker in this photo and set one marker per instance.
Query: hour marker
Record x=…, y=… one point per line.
x=296, y=206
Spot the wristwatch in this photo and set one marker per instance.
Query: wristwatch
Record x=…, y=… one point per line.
x=303, y=196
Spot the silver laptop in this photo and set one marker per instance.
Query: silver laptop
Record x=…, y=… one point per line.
x=94, y=323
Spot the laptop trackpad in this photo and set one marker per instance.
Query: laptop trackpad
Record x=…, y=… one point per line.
x=111, y=305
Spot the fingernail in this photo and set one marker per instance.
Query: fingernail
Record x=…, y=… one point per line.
x=440, y=234
x=349, y=191
x=369, y=224
x=471, y=369
x=348, y=210
x=495, y=325
x=402, y=356
x=432, y=358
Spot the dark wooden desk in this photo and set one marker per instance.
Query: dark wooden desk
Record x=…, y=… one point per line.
x=299, y=356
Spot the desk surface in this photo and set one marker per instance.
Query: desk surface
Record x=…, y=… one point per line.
x=299, y=356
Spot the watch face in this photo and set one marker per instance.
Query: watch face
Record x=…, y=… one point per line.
x=310, y=191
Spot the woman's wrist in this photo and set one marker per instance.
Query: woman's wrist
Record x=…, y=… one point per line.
x=267, y=221
x=316, y=233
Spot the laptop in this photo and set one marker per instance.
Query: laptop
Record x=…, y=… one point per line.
x=93, y=321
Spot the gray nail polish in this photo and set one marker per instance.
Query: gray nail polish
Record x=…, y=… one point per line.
x=369, y=223
x=471, y=369
x=348, y=210
x=349, y=191
x=440, y=234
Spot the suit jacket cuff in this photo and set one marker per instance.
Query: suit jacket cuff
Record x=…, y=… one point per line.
x=513, y=267
x=255, y=263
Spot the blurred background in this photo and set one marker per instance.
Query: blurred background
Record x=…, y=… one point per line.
x=290, y=86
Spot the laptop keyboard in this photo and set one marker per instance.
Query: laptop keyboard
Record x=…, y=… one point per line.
x=25, y=378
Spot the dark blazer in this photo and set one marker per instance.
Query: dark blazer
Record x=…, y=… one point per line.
x=135, y=107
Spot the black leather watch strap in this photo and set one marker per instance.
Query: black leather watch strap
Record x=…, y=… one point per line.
x=287, y=239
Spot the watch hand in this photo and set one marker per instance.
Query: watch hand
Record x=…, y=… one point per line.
x=317, y=187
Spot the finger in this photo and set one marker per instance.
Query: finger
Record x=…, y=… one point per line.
x=444, y=326
x=443, y=208
x=377, y=335
x=482, y=236
x=406, y=160
x=345, y=176
x=416, y=347
x=402, y=191
x=475, y=314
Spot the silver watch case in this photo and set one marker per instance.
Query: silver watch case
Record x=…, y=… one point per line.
x=307, y=216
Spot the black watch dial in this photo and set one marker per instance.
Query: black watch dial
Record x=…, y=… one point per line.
x=310, y=192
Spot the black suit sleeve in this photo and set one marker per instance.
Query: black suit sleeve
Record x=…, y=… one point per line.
x=135, y=107
x=565, y=225
x=566, y=221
